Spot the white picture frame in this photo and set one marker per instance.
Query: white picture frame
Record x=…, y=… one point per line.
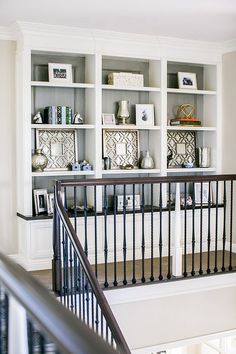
x=144, y=114
x=187, y=81
x=108, y=119
x=60, y=73
x=50, y=203
x=205, y=193
x=40, y=201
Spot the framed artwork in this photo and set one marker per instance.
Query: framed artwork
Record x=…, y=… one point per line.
x=59, y=146
x=201, y=193
x=181, y=148
x=122, y=147
x=50, y=203
x=144, y=114
x=60, y=73
x=40, y=200
x=108, y=119
x=187, y=80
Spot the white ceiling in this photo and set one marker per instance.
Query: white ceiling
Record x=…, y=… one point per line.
x=210, y=20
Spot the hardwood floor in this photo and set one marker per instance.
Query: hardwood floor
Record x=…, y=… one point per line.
x=45, y=276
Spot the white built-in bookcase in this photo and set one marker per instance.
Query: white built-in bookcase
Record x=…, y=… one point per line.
x=90, y=95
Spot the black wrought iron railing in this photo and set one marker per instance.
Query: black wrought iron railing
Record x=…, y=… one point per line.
x=76, y=283
x=33, y=321
x=138, y=230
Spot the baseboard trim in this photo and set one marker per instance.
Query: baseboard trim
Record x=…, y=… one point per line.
x=34, y=264
x=181, y=343
x=172, y=288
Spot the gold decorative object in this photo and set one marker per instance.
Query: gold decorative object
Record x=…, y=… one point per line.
x=185, y=111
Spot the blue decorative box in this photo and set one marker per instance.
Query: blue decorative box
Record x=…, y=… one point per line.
x=76, y=166
x=87, y=167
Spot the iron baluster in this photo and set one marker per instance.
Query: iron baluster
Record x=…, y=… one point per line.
x=143, y=237
x=115, y=283
x=185, y=230
x=42, y=344
x=134, y=237
x=224, y=229
x=216, y=227
x=152, y=276
x=95, y=231
x=75, y=281
x=201, y=224
x=193, y=232
x=75, y=209
x=169, y=231
x=83, y=293
x=105, y=241
x=231, y=226
x=87, y=300
x=71, y=280
x=85, y=222
x=209, y=230
x=124, y=234
x=160, y=236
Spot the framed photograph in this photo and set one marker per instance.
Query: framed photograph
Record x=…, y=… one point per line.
x=59, y=146
x=108, y=119
x=60, y=73
x=144, y=114
x=187, y=80
x=40, y=200
x=205, y=193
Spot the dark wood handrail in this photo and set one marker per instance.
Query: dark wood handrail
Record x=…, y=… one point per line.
x=145, y=180
x=101, y=299
x=66, y=330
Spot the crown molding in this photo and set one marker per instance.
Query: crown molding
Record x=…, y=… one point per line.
x=229, y=46
x=7, y=33
x=29, y=29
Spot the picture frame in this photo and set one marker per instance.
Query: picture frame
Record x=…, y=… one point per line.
x=60, y=73
x=60, y=146
x=181, y=147
x=187, y=80
x=108, y=119
x=144, y=114
x=50, y=203
x=40, y=201
x=205, y=193
x=122, y=147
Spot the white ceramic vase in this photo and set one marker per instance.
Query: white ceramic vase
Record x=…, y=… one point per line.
x=147, y=161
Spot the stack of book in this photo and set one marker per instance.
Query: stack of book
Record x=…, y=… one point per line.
x=57, y=115
x=185, y=121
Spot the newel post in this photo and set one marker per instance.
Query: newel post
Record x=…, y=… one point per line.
x=177, y=249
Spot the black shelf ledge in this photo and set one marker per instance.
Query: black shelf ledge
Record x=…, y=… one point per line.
x=110, y=211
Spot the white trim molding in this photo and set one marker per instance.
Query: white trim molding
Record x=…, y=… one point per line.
x=6, y=33
x=229, y=46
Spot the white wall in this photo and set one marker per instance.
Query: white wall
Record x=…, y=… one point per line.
x=229, y=113
x=8, y=238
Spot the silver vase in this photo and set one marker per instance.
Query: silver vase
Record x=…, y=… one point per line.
x=123, y=111
x=39, y=161
x=147, y=161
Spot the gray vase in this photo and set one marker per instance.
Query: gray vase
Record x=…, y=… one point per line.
x=39, y=161
x=147, y=161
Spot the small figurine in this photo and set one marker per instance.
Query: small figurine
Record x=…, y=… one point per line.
x=38, y=119
x=77, y=119
x=169, y=157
